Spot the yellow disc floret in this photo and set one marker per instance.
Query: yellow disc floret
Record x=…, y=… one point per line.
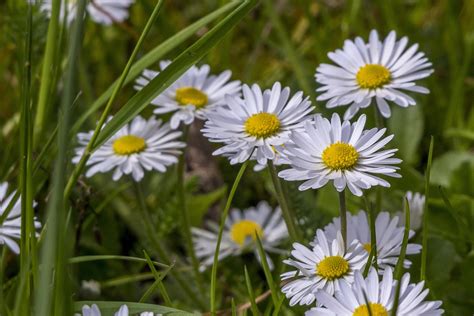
x=376, y=309
x=245, y=229
x=129, y=144
x=333, y=267
x=373, y=76
x=340, y=156
x=262, y=125
x=367, y=247
x=190, y=95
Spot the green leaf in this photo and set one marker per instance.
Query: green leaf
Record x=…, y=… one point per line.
x=109, y=308
x=445, y=165
x=200, y=204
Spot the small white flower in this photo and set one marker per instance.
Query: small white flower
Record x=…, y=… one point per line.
x=193, y=95
x=389, y=237
x=350, y=300
x=140, y=145
x=324, y=267
x=377, y=69
x=416, y=202
x=100, y=11
x=10, y=229
x=123, y=311
x=258, y=121
x=91, y=286
x=240, y=232
x=343, y=153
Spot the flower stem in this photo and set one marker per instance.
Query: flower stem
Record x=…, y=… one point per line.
x=424, y=243
x=219, y=236
x=343, y=210
x=283, y=201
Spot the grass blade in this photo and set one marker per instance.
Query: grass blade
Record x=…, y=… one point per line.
x=424, y=251
x=158, y=281
x=253, y=304
x=268, y=273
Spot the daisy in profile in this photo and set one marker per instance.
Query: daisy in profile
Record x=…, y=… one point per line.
x=325, y=267
x=380, y=70
x=389, y=236
x=259, y=121
x=193, y=95
x=416, y=202
x=10, y=229
x=350, y=300
x=94, y=310
x=345, y=154
x=240, y=233
x=138, y=146
x=100, y=11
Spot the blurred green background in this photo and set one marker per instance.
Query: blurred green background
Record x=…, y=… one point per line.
x=279, y=41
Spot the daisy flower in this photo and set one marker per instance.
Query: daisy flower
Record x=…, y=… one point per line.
x=240, y=233
x=324, y=267
x=258, y=121
x=375, y=70
x=10, y=229
x=140, y=145
x=350, y=300
x=100, y=11
x=94, y=310
x=416, y=202
x=193, y=95
x=343, y=153
x=389, y=236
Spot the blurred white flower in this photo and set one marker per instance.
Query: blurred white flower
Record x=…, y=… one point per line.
x=138, y=146
x=91, y=286
x=374, y=70
x=94, y=310
x=193, y=95
x=416, y=202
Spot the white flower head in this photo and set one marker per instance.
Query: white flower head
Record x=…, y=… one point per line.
x=260, y=121
x=378, y=70
x=10, y=229
x=138, y=146
x=344, y=153
x=240, y=233
x=91, y=286
x=324, y=267
x=380, y=294
x=388, y=234
x=416, y=202
x=193, y=95
x=100, y=11
x=94, y=310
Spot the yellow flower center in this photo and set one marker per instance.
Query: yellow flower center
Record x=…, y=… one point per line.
x=190, y=95
x=262, y=125
x=376, y=309
x=367, y=247
x=244, y=229
x=340, y=156
x=373, y=76
x=333, y=267
x=128, y=144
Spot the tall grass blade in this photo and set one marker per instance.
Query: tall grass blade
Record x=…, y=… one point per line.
x=253, y=304
x=424, y=244
x=267, y=271
x=158, y=281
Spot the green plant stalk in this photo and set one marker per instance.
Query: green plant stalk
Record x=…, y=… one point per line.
x=49, y=64
x=183, y=207
x=219, y=236
x=253, y=304
x=158, y=281
x=88, y=150
x=150, y=233
x=424, y=243
x=268, y=274
x=81, y=259
x=372, y=259
x=3, y=306
x=161, y=286
x=153, y=56
x=343, y=211
x=56, y=204
x=399, y=267
x=283, y=201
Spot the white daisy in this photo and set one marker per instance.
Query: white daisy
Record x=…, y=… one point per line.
x=10, y=229
x=343, y=153
x=377, y=69
x=389, y=237
x=350, y=301
x=100, y=11
x=258, y=121
x=279, y=160
x=140, y=145
x=416, y=202
x=324, y=267
x=240, y=232
x=193, y=95
x=94, y=310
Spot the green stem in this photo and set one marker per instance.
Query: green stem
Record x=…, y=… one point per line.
x=424, y=251
x=219, y=236
x=343, y=211
x=283, y=201
x=88, y=150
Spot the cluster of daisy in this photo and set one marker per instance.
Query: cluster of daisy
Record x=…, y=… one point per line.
x=275, y=127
